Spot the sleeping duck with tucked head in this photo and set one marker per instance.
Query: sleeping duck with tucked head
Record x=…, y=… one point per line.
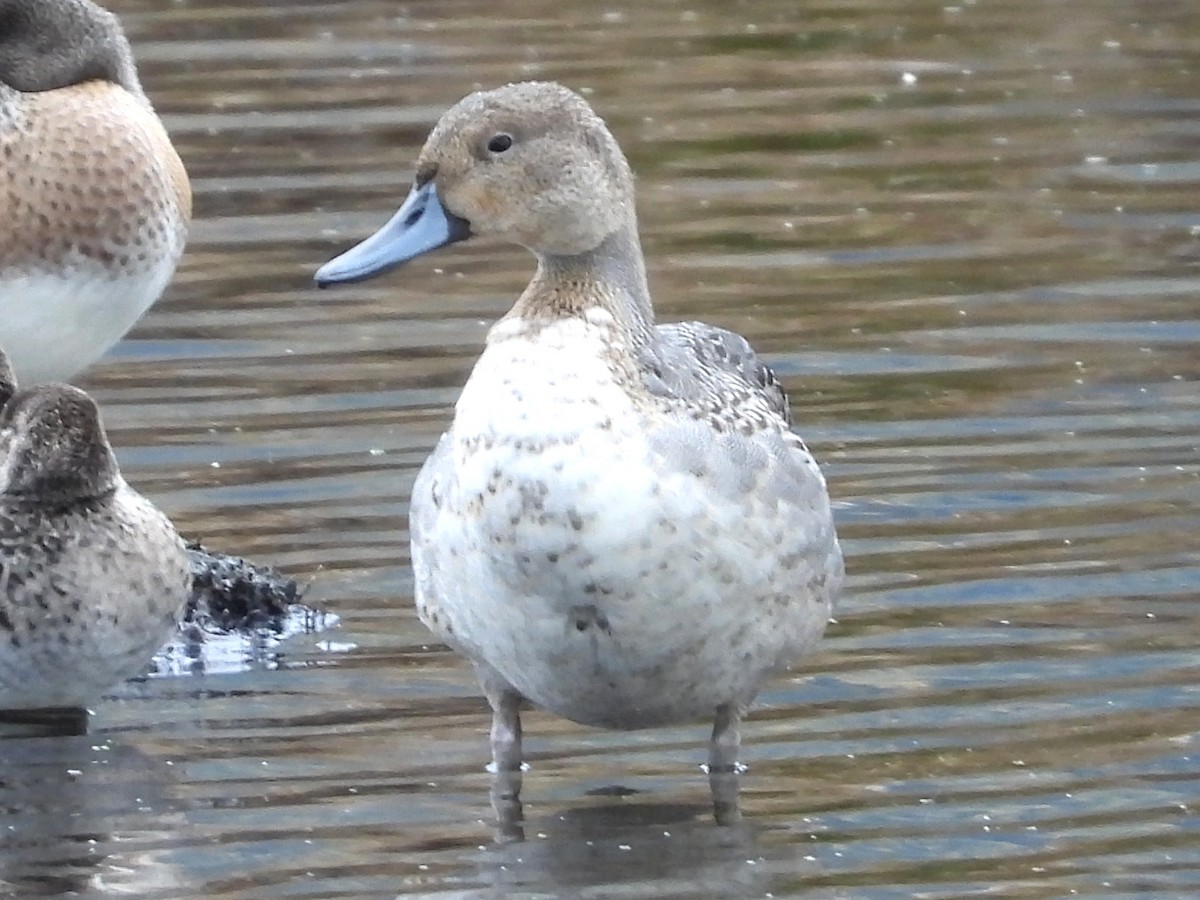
x=93, y=578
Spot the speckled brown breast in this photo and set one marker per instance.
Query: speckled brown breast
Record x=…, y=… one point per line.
x=87, y=175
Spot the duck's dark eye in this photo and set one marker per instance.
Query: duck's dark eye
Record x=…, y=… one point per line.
x=500, y=142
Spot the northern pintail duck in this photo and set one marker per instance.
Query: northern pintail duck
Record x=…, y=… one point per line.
x=619, y=525
x=94, y=202
x=93, y=578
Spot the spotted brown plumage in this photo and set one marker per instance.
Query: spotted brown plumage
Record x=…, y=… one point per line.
x=94, y=201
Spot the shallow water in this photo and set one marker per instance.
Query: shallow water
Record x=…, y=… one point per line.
x=967, y=235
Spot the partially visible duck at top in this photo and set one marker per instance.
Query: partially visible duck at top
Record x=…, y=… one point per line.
x=619, y=525
x=94, y=201
x=93, y=578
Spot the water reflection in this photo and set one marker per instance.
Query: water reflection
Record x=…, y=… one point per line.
x=631, y=847
x=73, y=820
x=510, y=813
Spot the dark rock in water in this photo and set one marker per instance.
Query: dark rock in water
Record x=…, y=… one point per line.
x=238, y=617
x=231, y=594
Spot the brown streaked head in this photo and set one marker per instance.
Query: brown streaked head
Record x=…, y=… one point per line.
x=53, y=447
x=530, y=163
x=534, y=164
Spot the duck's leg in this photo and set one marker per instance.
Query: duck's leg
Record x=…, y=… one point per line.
x=726, y=739
x=506, y=720
x=506, y=732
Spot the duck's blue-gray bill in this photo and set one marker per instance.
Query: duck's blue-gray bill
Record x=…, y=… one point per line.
x=420, y=225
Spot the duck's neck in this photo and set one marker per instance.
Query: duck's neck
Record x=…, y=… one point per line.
x=611, y=277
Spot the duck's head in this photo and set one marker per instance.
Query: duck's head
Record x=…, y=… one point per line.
x=53, y=448
x=530, y=163
x=51, y=44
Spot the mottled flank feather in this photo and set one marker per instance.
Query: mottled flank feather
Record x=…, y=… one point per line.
x=707, y=367
x=93, y=578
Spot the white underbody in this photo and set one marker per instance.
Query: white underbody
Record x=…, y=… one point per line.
x=559, y=542
x=54, y=325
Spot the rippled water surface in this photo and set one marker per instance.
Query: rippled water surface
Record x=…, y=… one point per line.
x=966, y=234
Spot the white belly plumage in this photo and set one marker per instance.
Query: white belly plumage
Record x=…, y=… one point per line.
x=559, y=543
x=55, y=325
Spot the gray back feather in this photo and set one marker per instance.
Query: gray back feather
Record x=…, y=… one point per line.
x=714, y=369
